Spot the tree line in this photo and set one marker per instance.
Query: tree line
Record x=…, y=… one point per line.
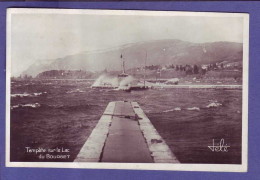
x=188, y=69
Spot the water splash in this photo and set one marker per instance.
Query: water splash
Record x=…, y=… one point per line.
x=126, y=81
x=106, y=80
x=112, y=81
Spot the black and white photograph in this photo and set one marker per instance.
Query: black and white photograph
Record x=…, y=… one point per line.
x=125, y=89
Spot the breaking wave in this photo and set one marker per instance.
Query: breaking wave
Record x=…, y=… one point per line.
x=27, y=95
x=35, y=105
x=75, y=91
x=175, y=109
x=126, y=81
x=214, y=104
x=112, y=81
x=105, y=80
x=193, y=109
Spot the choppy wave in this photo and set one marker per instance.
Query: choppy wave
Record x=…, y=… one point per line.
x=49, y=83
x=20, y=95
x=193, y=109
x=214, y=104
x=75, y=91
x=175, y=109
x=211, y=105
x=29, y=84
x=28, y=95
x=80, y=107
x=35, y=105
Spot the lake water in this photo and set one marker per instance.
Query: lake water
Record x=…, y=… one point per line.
x=62, y=113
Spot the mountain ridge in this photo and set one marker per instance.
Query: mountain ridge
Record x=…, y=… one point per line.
x=159, y=52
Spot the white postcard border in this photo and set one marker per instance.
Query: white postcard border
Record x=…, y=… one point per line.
x=134, y=166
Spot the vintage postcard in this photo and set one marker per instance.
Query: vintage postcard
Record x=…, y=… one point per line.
x=121, y=89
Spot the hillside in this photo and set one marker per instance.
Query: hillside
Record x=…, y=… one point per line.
x=161, y=52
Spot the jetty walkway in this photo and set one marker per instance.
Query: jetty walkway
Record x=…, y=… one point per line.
x=125, y=134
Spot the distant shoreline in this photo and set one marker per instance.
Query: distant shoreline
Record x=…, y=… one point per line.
x=161, y=85
x=208, y=86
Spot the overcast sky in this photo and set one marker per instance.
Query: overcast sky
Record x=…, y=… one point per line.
x=37, y=37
